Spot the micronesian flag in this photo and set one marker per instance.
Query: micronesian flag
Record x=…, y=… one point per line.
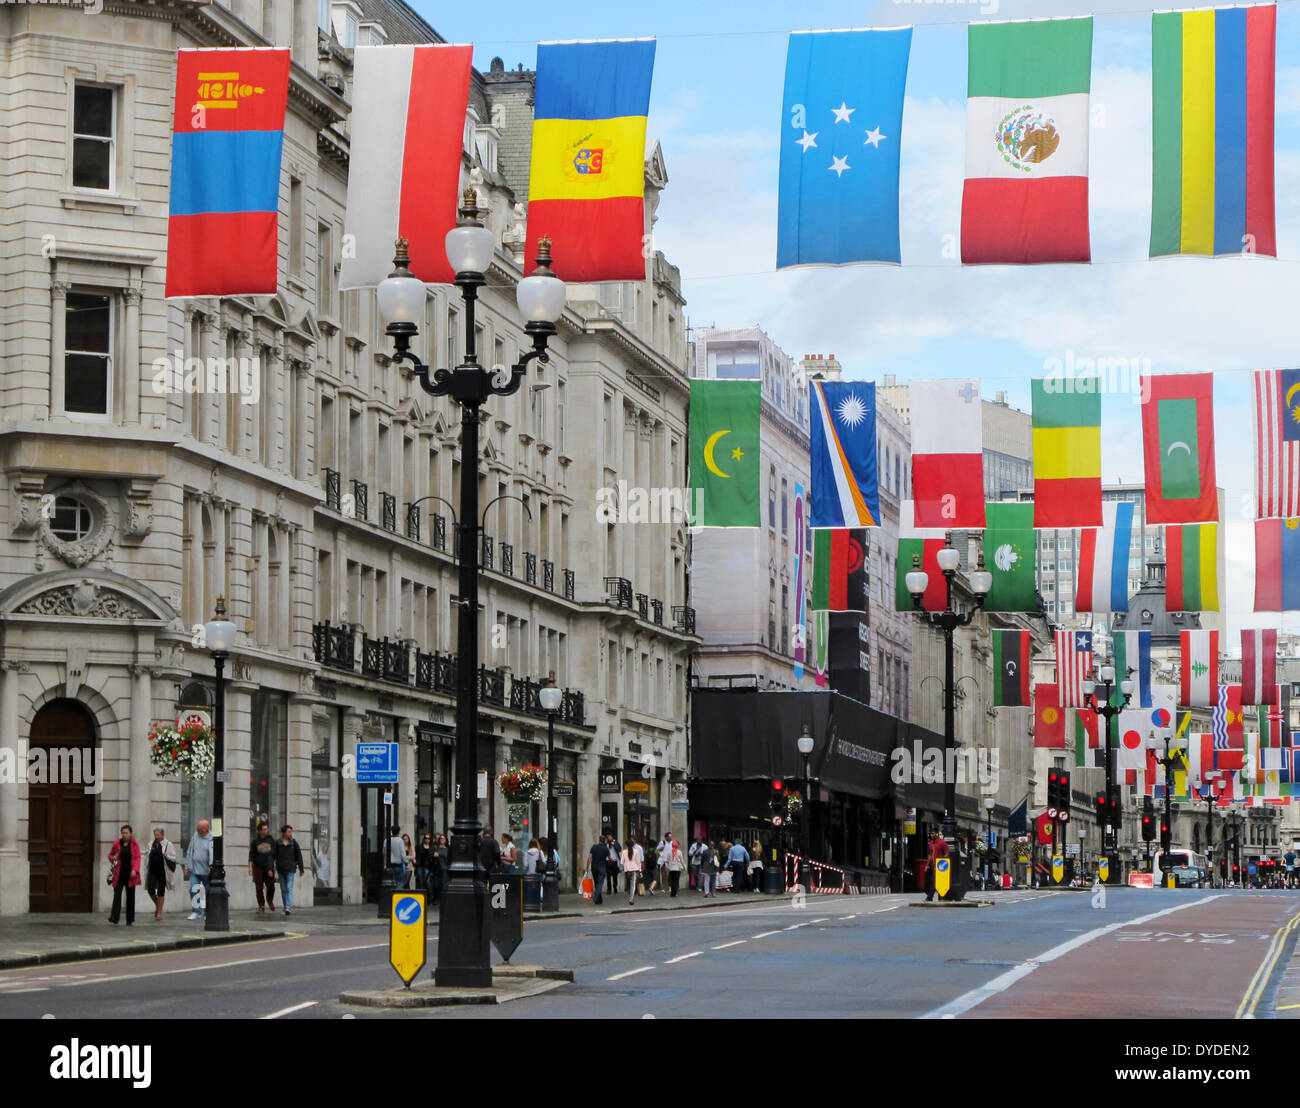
x=227, y=140
x=843, y=454
x=841, y=127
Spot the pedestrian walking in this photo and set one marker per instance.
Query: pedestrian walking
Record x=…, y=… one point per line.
x=615, y=849
x=409, y=861
x=198, y=868
x=438, y=878
x=288, y=861
x=756, y=868
x=693, y=862
x=597, y=865
x=662, y=849
x=631, y=859
x=489, y=852
x=937, y=849
x=261, y=867
x=397, y=859
x=424, y=862
x=509, y=854
x=737, y=862
x=159, y=870
x=676, y=865
x=708, y=870
x=533, y=858
x=124, y=858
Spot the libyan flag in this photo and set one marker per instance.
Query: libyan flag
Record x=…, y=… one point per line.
x=724, y=453
x=1010, y=555
x=1011, y=669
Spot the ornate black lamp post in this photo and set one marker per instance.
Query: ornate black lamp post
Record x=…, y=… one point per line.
x=1102, y=695
x=550, y=699
x=219, y=637
x=805, y=744
x=464, y=957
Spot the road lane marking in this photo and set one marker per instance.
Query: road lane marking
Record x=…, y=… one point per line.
x=765, y=934
x=734, y=942
x=794, y=927
x=854, y=916
x=683, y=957
x=822, y=920
x=891, y=908
x=292, y=1008
x=1246, y=1009
x=1279, y=1008
x=628, y=973
x=1002, y=982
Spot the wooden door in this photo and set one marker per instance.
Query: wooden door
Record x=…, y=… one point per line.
x=61, y=844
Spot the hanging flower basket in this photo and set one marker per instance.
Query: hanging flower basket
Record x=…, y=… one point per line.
x=189, y=751
x=793, y=804
x=522, y=784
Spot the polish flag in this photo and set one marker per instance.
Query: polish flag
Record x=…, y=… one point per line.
x=408, y=129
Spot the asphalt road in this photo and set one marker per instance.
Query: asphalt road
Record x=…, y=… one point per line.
x=1187, y=953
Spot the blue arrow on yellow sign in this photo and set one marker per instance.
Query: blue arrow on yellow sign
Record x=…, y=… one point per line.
x=407, y=937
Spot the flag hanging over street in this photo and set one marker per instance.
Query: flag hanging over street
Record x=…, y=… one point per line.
x=841, y=133
x=1073, y=667
x=1276, y=431
x=923, y=543
x=1011, y=557
x=1258, y=666
x=407, y=129
x=586, y=183
x=227, y=141
x=1212, y=131
x=1027, y=123
x=1103, y=560
x=1178, y=448
x=1011, y=669
x=1199, y=657
x=1274, y=719
x=1049, y=720
x=800, y=593
x=1277, y=565
x=724, y=422
x=1192, y=573
x=947, y=452
x=839, y=583
x=1067, y=452
x=1226, y=719
x=1087, y=738
x=1131, y=651
x=842, y=450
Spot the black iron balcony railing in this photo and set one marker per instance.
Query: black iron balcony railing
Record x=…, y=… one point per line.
x=372, y=657
x=397, y=662
x=643, y=605
x=683, y=619
x=657, y=611
x=333, y=489
x=573, y=710
x=523, y=695
x=507, y=559
x=548, y=575
x=568, y=584
x=618, y=591
x=530, y=568
x=439, y=531
x=444, y=672
x=360, y=500
x=335, y=646
x=388, y=507
x=423, y=669
x=492, y=686
x=413, y=522
x=489, y=547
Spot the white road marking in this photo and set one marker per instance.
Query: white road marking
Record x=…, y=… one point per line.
x=294, y=1008
x=735, y=942
x=1002, y=982
x=628, y=973
x=822, y=920
x=854, y=916
x=765, y=934
x=683, y=957
x=794, y=927
x=891, y=908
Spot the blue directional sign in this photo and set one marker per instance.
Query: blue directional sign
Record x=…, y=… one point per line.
x=408, y=910
x=376, y=763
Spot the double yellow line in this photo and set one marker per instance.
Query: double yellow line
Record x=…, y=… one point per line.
x=1255, y=990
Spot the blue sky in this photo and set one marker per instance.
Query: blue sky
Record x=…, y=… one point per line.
x=716, y=109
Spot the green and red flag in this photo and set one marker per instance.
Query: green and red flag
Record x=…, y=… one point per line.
x=1087, y=736
x=839, y=583
x=920, y=545
x=724, y=453
x=1010, y=555
x=1011, y=669
x=1178, y=448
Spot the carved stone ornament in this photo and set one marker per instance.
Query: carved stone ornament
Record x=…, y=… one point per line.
x=87, y=598
x=77, y=554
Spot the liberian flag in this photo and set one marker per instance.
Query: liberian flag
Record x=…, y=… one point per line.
x=1131, y=651
x=1027, y=120
x=1199, y=652
x=947, y=452
x=1258, y=666
x=1103, y=560
x=407, y=127
x=227, y=139
x=1277, y=565
x=842, y=450
x=1178, y=448
x=1073, y=666
x=1276, y=430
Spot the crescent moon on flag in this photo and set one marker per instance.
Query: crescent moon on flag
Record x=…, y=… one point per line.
x=1175, y=445
x=708, y=453
x=1290, y=393
x=1010, y=667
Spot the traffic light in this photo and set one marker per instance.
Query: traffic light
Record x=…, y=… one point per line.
x=1114, y=809
x=1063, y=807
x=1100, y=802
x=1148, y=821
x=1053, y=793
x=776, y=802
x=1165, y=837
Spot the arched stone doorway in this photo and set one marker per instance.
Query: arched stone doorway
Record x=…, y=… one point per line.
x=60, y=812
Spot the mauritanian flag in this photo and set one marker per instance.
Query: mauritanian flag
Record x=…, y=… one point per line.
x=947, y=452
x=1067, y=452
x=1192, y=574
x=1212, y=131
x=724, y=474
x=407, y=128
x=1178, y=448
x=1277, y=565
x=1026, y=193
x=1011, y=669
x=586, y=184
x=1199, y=657
x=1258, y=666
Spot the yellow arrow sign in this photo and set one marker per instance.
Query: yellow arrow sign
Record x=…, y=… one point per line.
x=1058, y=868
x=942, y=876
x=1103, y=869
x=407, y=935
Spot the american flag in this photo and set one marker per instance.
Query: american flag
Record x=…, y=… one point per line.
x=1073, y=665
x=1277, y=444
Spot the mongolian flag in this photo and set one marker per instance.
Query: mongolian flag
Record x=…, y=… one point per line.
x=1049, y=719
x=1258, y=666
x=227, y=139
x=1276, y=428
x=1178, y=448
x=1011, y=669
x=947, y=452
x=1199, y=656
x=838, y=581
x=586, y=187
x=724, y=433
x=842, y=452
x=1277, y=565
x=1067, y=452
x=1192, y=577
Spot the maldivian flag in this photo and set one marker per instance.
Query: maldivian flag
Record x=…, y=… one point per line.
x=227, y=139
x=586, y=186
x=839, y=583
x=1067, y=451
x=1027, y=121
x=1087, y=736
x=1212, y=131
x=1011, y=669
x=1131, y=651
x=1011, y=556
x=1192, y=576
x=724, y=452
x=947, y=452
x=1178, y=448
x=918, y=548
x=1277, y=565
x=1049, y=716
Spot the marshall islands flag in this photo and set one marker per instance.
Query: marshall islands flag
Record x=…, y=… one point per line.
x=227, y=138
x=843, y=450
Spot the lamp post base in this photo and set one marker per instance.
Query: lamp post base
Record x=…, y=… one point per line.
x=387, y=887
x=464, y=919
x=217, y=913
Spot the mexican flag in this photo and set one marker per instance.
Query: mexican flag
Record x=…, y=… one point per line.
x=1027, y=119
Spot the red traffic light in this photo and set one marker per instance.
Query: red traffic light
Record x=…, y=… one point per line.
x=777, y=786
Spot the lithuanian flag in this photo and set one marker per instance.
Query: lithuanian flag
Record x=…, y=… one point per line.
x=1192, y=576
x=586, y=189
x=1212, y=131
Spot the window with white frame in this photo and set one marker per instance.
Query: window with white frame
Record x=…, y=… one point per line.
x=88, y=355
x=94, y=150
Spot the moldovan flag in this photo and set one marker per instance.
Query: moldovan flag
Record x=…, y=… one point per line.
x=1200, y=668
x=1258, y=666
x=1178, y=448
x=1212, y=131
x=1103, y=560
x=1192, y=576
x=924, y=545
x=1011, y=669
x=1276, y=430
x=1067, y=452
x=586, y=185
x=1277, y=565
x=407, y=127
x=1027, y=121
x=1049, y=719
x=947, y=452
x=1131, y=651
x=227, y=138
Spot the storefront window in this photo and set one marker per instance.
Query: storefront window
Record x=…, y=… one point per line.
x=268, y=774
x=327, y=736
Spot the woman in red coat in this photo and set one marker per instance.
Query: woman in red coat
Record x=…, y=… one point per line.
x=124, y=877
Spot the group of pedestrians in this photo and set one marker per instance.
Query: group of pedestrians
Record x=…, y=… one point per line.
x=270, y=861
x=647, y=869
x=423, y=868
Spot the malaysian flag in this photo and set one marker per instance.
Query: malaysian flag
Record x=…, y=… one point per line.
x=1277, y=443
x=1073, y=665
